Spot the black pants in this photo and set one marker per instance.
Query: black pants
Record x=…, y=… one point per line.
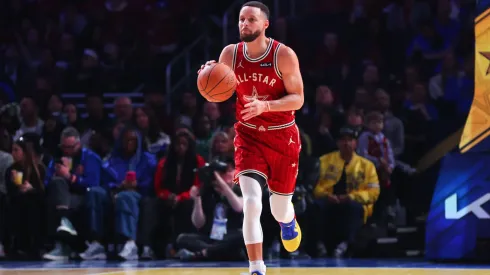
x=148, y=221
x=25, y=221
x=160, y=223
x=337, y=223
x=226, y=249
x=63, y=200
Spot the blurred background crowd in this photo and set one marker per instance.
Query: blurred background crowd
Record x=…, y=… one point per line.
x=114, y=174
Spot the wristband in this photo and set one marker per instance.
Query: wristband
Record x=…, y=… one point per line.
x=268, y=106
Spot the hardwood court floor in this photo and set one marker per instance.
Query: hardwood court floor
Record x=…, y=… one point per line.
x=310, y=267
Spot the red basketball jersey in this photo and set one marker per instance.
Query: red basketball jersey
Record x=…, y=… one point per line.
x=259, y=78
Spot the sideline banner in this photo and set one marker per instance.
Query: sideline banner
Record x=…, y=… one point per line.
x=459, y=214
x=458, y=224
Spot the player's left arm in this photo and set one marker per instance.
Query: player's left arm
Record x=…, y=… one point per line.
x=288, y=65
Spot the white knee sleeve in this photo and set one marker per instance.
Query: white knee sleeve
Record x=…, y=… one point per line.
x=281, y=208
x=252, y=208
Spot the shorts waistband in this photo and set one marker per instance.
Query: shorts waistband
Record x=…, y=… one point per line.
x=262, y=128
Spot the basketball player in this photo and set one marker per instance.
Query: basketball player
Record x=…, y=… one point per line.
x=267, y=143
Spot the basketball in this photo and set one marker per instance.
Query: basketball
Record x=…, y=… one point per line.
x=216, y=82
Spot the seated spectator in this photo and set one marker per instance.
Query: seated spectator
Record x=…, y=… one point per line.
x=100, y=143
x=156, y=141
x=420, y=119
x=354, y=119
x=72, y=118
x=25, y=184
x=419, y=104
x=131, y=173
x=221, y=146
x=97, y=120
x=30, y=120
x=5, y=161
x=10, y=118
x=393, y=126
x=117, y=129
x=362, y=96
x=204, y=133
x=55, y=106
x=324, y=100
x=174, y=178
x=123, y=109
x=70, y=178
x=155, y=100
x=374, y=146
x=36, y=142
x=218, y=215
x=188, y=109
x=429, y=44
x=345, y=194
x=52, y=129
x=212, y=111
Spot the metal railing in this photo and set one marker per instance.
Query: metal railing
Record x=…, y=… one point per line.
x=78, y=99
x=185, y=57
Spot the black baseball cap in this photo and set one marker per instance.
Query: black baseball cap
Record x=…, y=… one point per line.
x=348, y=131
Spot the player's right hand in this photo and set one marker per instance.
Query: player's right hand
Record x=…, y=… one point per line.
x=207, y=64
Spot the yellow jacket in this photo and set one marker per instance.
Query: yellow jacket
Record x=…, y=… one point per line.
x=361, y=178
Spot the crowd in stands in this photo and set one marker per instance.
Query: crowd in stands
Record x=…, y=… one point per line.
x=384, y=82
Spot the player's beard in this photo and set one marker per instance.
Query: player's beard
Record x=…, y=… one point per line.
x=249, y=37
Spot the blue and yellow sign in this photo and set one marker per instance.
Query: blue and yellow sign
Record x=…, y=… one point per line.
x=477, y=127
x=458, y=224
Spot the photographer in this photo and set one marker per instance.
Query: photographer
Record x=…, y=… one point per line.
x=217, y=215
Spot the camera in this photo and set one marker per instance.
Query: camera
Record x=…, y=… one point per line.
x=206, y=173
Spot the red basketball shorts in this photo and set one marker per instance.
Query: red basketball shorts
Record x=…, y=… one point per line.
x=269, y=152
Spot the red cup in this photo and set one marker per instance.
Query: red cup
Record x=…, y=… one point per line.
x=130, y=176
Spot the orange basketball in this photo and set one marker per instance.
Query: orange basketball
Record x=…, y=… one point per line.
x=216, y=82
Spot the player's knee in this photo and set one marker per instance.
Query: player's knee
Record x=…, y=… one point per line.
x=280, y=207
x=252, y=207
x=252, y=196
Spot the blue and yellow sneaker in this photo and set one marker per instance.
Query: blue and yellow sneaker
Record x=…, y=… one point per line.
x=291, y=235
x=256, y=273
